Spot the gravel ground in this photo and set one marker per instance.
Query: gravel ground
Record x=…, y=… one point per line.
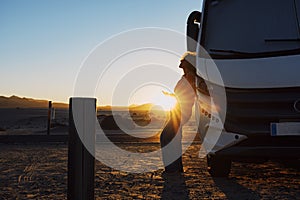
x=40, y=172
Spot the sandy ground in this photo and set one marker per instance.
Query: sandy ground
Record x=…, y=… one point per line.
x=40, y=172
x=30, y=121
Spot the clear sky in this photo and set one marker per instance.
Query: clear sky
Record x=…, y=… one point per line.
x=43, y=42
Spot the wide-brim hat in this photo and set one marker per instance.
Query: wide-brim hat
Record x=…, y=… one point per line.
x=190, y=57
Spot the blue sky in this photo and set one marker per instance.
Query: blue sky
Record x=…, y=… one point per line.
x=43, y=42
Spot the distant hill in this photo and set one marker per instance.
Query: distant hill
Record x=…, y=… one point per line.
x=110, y=108
x=133, y=107
x=23, y=102
x=19, y=102
x=143, y=107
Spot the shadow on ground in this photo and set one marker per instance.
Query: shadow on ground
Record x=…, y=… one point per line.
x=233, y=190
x=174, y=187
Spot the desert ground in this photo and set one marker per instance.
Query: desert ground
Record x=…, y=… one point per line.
x=39, y=171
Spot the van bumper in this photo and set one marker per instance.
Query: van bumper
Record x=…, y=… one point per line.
x=264, y=147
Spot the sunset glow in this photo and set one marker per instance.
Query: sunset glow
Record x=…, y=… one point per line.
x=167, y=101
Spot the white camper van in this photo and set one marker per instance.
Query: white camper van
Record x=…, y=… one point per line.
x=255, y=47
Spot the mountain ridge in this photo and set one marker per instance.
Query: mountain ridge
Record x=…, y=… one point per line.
x=24, y=102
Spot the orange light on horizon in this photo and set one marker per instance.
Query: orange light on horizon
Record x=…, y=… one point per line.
x=167, y=101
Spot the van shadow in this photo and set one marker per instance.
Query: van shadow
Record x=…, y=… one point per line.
x=233, y=190
x=174, y=187
x=290, y=164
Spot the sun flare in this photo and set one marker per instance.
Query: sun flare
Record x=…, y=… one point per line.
x=160, y=97
x=167, y=101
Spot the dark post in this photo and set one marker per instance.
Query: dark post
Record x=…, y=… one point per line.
x=81, y=163
x=49, y=117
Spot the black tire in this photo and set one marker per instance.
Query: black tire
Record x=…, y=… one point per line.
x=218, y=166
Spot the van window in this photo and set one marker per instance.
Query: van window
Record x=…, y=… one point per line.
x=250, y=26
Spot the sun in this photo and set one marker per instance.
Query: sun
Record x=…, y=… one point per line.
x=160, y=97
x=166, y=100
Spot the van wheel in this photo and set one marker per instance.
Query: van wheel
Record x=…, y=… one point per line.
x=218, y=166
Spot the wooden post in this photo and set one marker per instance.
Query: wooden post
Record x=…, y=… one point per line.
x=53, y=114
x=81, y=163
x=49, y=117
